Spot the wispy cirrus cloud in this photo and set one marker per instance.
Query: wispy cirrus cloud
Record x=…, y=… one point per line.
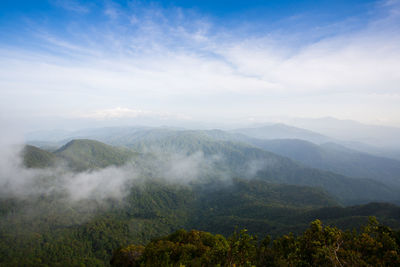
x=71, y=5
x=178, y=62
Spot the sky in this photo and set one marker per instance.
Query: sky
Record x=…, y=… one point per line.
x=63, y=62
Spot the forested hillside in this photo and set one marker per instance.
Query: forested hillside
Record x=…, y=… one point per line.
x=219, y=159
x=50, y=231
x=88, y=154
x=87, y=199
x=330, y=156
x=34, y=157
x=335, y=158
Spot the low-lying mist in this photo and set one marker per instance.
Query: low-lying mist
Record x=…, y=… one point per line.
x=109, y=183
x=18, y=181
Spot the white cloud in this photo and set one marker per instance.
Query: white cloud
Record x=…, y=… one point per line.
x=159, y=65
x=71, y=5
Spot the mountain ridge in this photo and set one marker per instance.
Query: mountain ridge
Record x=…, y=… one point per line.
x=226, y=159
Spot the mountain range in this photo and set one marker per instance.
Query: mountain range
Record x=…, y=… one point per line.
x=211, y=180
x=225, y=159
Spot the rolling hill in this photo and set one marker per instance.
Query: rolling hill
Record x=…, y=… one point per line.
x=236, y=184
x=79, y=155
x=335, y=158
x=34, y=157
x=242, y=160
x=221, y=158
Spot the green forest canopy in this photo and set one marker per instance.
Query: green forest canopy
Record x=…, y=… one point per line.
x=374, y=245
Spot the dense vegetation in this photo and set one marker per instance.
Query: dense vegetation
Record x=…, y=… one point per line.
x=89, y=154
x=374, y=245
x=48, y=231
x=34, y=157
x=78, y=155
x=174, y=180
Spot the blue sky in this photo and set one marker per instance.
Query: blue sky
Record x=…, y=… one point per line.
x=254, y=17
x=217, y=61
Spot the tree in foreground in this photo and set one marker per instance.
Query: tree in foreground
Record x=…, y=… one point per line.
x=375, y=245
